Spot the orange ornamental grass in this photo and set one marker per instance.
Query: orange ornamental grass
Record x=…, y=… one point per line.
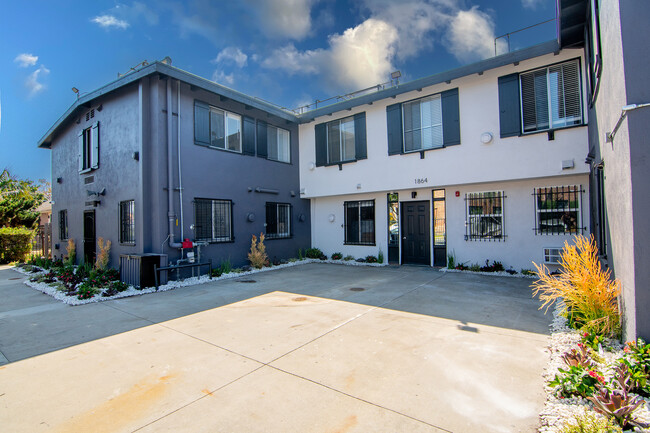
x=589, y=293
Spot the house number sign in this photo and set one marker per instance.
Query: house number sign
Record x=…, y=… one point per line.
x=421, y=180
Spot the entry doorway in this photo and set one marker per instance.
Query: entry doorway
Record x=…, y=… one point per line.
x=439, y=228
x=415, y=233
x=89, y=236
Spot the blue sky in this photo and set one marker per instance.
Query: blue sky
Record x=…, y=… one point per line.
x=289, y=52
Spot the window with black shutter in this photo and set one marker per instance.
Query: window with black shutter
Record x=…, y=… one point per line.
x=341, y=141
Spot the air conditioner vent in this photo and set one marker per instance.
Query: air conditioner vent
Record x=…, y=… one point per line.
x=552, y=255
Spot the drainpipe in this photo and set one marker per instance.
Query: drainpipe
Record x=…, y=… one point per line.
x=178, y=141
x=170, y=191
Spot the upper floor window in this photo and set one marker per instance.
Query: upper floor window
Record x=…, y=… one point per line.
x=278, y=220
x=550, y=97
x=278, y=144
x=213, y=220
x=63, y=225
x=217, y=128
x=341, y=141
x=557, y=209
x=127, y=222
x=89, y=148
x=427, y=123
x=422, y=124
x=484, y=215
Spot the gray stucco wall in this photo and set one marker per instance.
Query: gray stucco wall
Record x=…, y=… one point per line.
x=626, y=160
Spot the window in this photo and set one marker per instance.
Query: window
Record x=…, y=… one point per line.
x=278, y=220
x=484, y=215
x=422, y=124
x=557, y=209
x=360, y=222
x=393, y=219
x=341, y=141
x=217, y=128
x=278, y=144
x=63, y=225
x=213, y=220
x=89, y=148
x=127, y=222
x=550, y=97
x=427, y=123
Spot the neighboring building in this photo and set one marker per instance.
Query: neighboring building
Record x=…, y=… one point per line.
x=161, y=155
x=617, y=50
x=484, y=162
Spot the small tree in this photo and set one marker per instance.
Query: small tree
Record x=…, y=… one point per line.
x=257, y=255
x=18, y=201
x=103, y=256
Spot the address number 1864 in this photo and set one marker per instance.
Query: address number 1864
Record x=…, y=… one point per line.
x=421, y=180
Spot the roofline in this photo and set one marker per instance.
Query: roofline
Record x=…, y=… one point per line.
x=453, y=74
x=170, y=71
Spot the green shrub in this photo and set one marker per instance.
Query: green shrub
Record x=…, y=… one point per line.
x=528, y=272
x=15, y=244
x=371, y=259
x=380, y=256
x=300, y=256
x=475, y=267
x=86, y=291
x=577, y=381
x=348, y=258
x=313, y=253
x=337, y=256
x=451, y=261
x=637, y=359
x=225, y=267
x=589, y=422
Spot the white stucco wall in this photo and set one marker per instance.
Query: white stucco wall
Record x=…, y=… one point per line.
x=519, y=249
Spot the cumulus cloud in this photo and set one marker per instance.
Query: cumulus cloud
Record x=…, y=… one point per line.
x=471, y=35
x=283, y=18
x=32, y=82
x=221, y=77
x=531, y=4
x=108, y=21
x=360, y=57
x=232, y=55
x=24, y=60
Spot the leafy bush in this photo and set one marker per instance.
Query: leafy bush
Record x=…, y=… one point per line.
x=618, y=404
x=461, y=267
x=590, y=423
x=528, y=272
x=216, y=272
x=86, y=291
x=348, y=258
x=451, y=261
x=637, y=360
x=337, y=256
x=475, y=267
x=300, y=256
x=69, y=278
x=496, y=266
x=257, y=255
x=371, y=259
x=225, y=267
x=589, y=294
x=591, y=339
x=15, y=244
x=580, y=357
x=576, y=381
x=380, y=256
x=84, y=270
x=114, y=288
x=104, y=254
x=360, y=260
x=313, y=253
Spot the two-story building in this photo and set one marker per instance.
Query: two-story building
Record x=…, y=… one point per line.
x=484, y=162
x=161, y=155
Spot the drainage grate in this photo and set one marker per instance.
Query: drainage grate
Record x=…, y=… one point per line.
x=247, y=281
x=357, y=289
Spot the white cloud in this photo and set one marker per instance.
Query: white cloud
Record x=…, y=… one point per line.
x=283, y=18
x=32, y=82
x=471, y=36
x=360, y=57
x=24, y=60
x=232, y=55
x=108, y=21
x=222, y=78
x=531, y=4
x=135, y=11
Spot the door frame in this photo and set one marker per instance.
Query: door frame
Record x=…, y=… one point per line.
x=402, y=231
x=94, y=248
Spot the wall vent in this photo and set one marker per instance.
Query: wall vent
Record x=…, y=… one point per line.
x=89, y=179
x=552, y=255
x=90, y=115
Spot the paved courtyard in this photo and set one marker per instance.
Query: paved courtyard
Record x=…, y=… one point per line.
x=313, y=348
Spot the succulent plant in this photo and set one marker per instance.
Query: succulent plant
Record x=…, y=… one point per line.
x=618, y=404
x=579, y=357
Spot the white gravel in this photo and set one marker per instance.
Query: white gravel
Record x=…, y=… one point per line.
x=556, y=410
x=492, y=274
x=132, y=291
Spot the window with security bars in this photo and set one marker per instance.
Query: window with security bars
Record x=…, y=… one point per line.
x=557, y=209
x=359, y=222
x=213, y=220
x=550, y=97
x=278, y=220
x=63, y=225
x=484, y=216
x=423, y=124
x=127, y=222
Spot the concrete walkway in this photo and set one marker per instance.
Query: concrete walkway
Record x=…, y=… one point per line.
x=314, y=348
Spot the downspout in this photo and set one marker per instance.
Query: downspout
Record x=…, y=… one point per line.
x=170, y=190
x=178, y=141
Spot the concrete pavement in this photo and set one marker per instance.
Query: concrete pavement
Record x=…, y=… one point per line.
x=315, y=348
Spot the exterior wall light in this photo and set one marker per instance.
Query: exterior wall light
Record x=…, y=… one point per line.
x=331, y=217
x=312, y=166
x=486, y=137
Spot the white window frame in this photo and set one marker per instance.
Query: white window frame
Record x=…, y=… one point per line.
x=89, y=148
x=438, y=98
x=342, y=145
x=279, y=132
x=227, y=115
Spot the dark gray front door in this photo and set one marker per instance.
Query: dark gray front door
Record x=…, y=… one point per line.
x=89, y=236
x=415, y=233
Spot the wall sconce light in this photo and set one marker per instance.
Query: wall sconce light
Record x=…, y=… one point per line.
x=331, y=217
x=486, y=137
x=250, y=217
x=302, y=217
x=136, y=156
x=312, y=166
x=59, y=180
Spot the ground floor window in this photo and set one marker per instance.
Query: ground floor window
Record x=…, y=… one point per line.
x=360, y=222
x=213, y=220
x=127, y=222
x=484, y=216
x=278, y=220
x=557, y=209
x=63, y=224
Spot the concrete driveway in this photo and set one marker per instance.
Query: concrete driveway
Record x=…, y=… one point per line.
x=314, y=348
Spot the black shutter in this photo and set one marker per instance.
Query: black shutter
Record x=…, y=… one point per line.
x=360, y=150
x=509, y=111
x=321, y=145
x=262, y=151
x=394, y=126
x=248, y=136
x=201, y=123
x=450, y=118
